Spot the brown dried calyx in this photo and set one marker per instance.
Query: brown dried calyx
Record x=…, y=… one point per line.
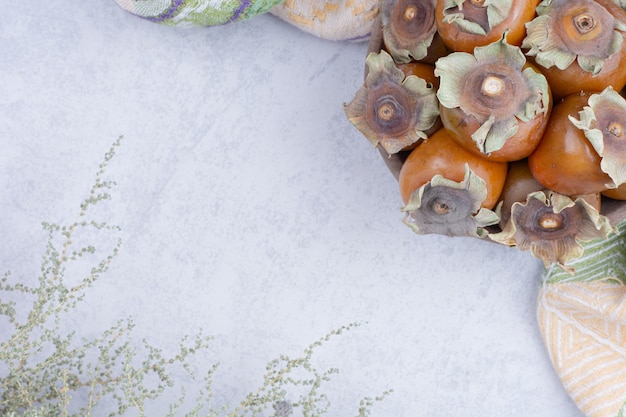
x=450, y=208
x=408, y=28
x=603, y=122
x=518, y=185
x=390, y=109
x=569, y=30
x=495, y=87
x=620, y=3
x=552, y=226
x=476, y=16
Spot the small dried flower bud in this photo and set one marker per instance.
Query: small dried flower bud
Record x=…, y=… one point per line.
x=282, y=409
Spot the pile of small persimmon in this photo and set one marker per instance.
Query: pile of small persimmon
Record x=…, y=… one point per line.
x=505, y=118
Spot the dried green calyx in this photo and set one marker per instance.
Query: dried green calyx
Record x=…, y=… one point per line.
x=565, y=31
x=493, y=86
x=390, y=109
x=552, y=226
x=408, y=28
x=604, y=123
x=620, y=3
x=450, y=208
x=476, y=16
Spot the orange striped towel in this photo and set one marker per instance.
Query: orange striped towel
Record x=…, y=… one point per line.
x=583, y=321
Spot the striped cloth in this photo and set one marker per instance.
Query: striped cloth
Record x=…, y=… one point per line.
x=583, y=322
x=196, y=12
x=329, y=19
x=336, y=20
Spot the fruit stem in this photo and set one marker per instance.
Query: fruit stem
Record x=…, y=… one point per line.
x=441, y=208
x=584, y=23
x=385, y=112
x=616, y=129
x=409, y=13
x=550, y=221
x=492, y=86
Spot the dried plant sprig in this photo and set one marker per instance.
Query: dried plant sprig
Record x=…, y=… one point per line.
x=565, y=31
x=367, y=403
x=43, y=367
x=286, y=373
x=45, y=372
x=446, y=207
x=552, y=226
x=604, y=123
x=476, y=16
x=390, y=109
x=28, y=381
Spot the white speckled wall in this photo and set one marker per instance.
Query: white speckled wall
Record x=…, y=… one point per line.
x=251, y=208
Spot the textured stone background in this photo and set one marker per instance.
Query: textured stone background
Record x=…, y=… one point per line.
x=252, y=209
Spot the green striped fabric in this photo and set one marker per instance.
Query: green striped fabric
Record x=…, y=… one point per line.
x=582, y=318
x=602, y=258
x=197, y=12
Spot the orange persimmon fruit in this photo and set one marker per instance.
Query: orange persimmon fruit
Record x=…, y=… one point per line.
x=475, y=23
x=565, y=161
x=441, y=155
x=578, y=45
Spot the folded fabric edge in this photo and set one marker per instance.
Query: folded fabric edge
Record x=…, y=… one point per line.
x=197, y=12
x=338, y=20
x=582, y=318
